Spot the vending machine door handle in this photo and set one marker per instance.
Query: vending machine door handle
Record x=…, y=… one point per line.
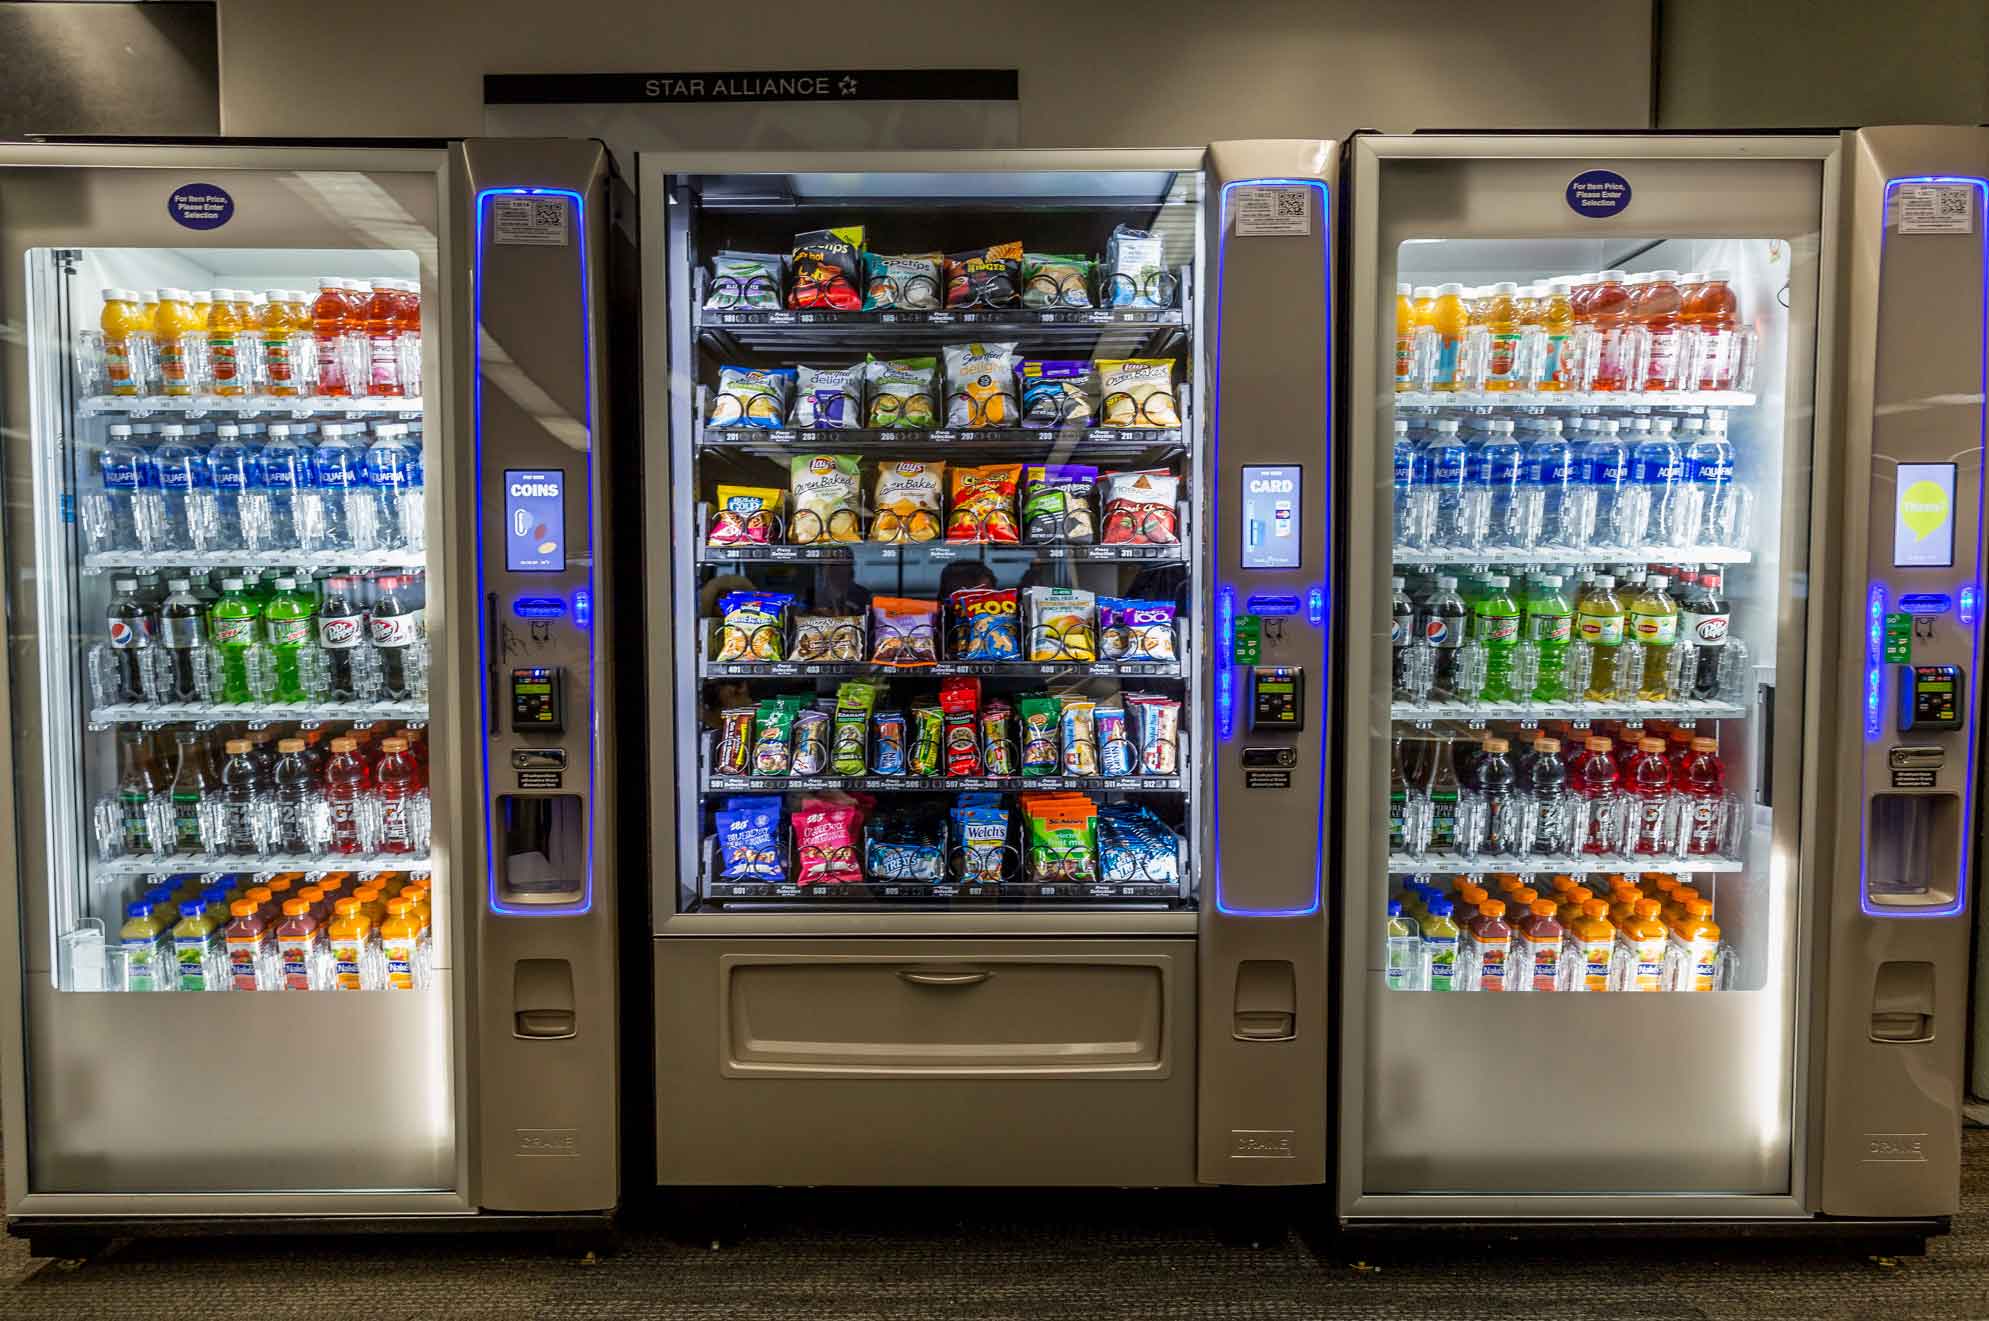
x=1764, y=791
x=491, y=649
x=971, y=978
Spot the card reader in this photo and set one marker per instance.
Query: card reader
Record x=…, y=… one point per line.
x=538, y=700
x=1277, y=698
x=1930, y=697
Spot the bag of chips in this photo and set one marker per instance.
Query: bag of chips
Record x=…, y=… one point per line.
x=836, y=638
x=1056, y=280
x=746, y=516
x=906, y=843
x=1134, y=845
x=811, y=742
x=1140, y=508
x=1136, y=630
x=904, y=631
x=1059, y=504
x=752, y=398
x=745, y=281
x=825, y=844
x=1038, y=721
x=984, y=504
x=735, y=741
x=1137, y=393
x=985, y=624
x=828, y=398
x=910, y=283
x=980, y=845
x=1136, y=273
x=849, y=749
x=824, y=488
x=1062, y=837
x=773, y=741
x=1157, y=731
x=985, y=278
x=909, y=496
x=1056, y=392
x=1063, y=624
x=980, y=386
x=749, y=840
x=901, y=393
x=828, y=265
x=753, y=626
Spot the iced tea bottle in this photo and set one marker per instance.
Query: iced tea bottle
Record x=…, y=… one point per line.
x=1608, y=307
x=227, y=355
x=1709, y=311
x=1557, y=324
x=1405, y=338
x=1499, y=318
x=331, y=328
x=282, y=323
x=383, y=359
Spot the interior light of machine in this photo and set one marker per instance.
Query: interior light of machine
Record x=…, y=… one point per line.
x=1874, y=653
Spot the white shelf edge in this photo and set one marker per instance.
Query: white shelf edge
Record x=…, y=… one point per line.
x=1570, y=555
x=133, y=713
x=1575, y=399
x=1401, y=864
x=102, y=560
x=261, y=403
x=1481, y=711
x=259, y=863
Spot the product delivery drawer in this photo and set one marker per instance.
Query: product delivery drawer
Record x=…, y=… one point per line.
x=993, y=1015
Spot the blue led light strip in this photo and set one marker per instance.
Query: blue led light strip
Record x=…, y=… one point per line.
x=1319, y=603
x=1874, y=659
x=586, y=900
x=1874, y=698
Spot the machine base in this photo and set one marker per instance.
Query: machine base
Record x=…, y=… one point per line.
x=77, y=1237
x=1368, y=1239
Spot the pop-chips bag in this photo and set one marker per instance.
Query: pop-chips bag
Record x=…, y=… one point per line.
x=986, y=624
x=989, y=277
x=749, y=840
x=1056, y=280
x=1137, y=393
x=745, y=281
x=901, y=393
x=829, y=398
x=984, y=504
x=980, y=386
x=825, y=844
x=1056, y=392
x=909, y=496
x=828, y=269
x=746, y=516
x=752, y=397
x=1059, y=504
x=824, y=487
x=910, y=282
x=1140, y=508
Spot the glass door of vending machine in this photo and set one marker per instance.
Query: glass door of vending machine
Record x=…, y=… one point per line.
x=229, y=816
x=1582, y=396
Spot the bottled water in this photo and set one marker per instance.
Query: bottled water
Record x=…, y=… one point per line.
x=1405, y=481
x=285, y=469
x=180, y=469
x=1496, y=464
x=122, y=466
x=1445, y=453
x=233, y=466
x=1602, y=470
x=1548, y=471
x=389, y=464
x=338, y=471
x=414, y=505
x=1712, y=509
x=1645, y=513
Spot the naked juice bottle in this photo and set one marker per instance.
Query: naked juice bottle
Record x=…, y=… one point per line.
x=1641, y=937
x=1448, y=319
x=1489, y=943
x=1594, y=939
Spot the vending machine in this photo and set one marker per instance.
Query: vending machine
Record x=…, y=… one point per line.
x=1662, y=623
x=985, y=850
x=304, y=908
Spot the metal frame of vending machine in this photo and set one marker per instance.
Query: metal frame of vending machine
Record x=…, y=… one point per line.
x=484, y=1094
x=1010, y=1018
x=1813, y=1083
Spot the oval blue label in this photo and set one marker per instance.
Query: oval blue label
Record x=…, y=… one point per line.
x=200, y=206
x=1597, y=193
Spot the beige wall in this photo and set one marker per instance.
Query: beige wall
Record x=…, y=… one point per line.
x=1124, y=74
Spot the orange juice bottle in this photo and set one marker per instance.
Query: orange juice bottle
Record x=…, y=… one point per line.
x=1694, y=954
x=374, y=906
x=228, y=354
x=126, y=341
x=176, y=325
x=400, y=945
x=1448, y=319
x=1405, y=338
x=354, y=947
x=150, y=302
x=1594, y=939
x=1623, y=898
x=1500, y=319
x=1659, y=886
x=1557, y=324
x=1681, y=895
x=1642, y=939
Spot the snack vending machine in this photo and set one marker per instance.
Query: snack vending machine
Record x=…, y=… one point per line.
x=958, y=469
x=1660, y=790
x=283, y=933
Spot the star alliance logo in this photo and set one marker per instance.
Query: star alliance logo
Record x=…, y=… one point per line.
x=847, y=86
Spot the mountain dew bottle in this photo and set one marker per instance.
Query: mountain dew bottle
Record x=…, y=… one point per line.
x=1550, y=625
x=289, y=618
x=231, y=622
x=1495, y=623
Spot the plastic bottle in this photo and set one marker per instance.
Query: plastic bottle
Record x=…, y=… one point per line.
x=1594, y=939
x=203, y=305
x=244, y=800
x=287, y=481
x=1557, y=324
x=1602, y=468
x=288, y=622
x=1693, y=952
x=233, y=471
x=1443, y=792
x=297, y=799
x=122, y=468
x=332, y=332
x=189, y=791
x=1401, y=632
x=1546, y=483
x=1543, y=780
x=1440, y=941
x=1443, y=620
x=132, y=629
x=1549, y=624
x=137, y=785
x=1647, y=509
x=180, y=469
x=1488, y=946
x=1703, y=622
x=1647, y=785
x=1594, y=779
x=175, y=324
x=1702, y=787
x=1405, y=339
x=1501, y=336
x=354, y=947
x=250, y=938
x=1539, y=955
x=1497, y=784
x=231, y=352
x=285, y=329
x=1399, y=798
x=1500, y=470
x=1711, y=313
x=300, y=946
x=126, y=342
x=1708, y=499
x=1640, y=949
x=1611, y=356
x=348, y=794
x=1405, y=950
x=389, y=467
x=393, y=630
x=401, y=946
x=149, y=964
x=196, y=948
x=231, y=622
x=341, y=630
x=1496, y=625
x=338, y=472
x=1405, y=452
x=1447, y=318
x=408, y=325
x=1599, y=623
x=1445, y=453
x=183, y=632
x=383, y=356
x=1653, y=624
x=1656, y=309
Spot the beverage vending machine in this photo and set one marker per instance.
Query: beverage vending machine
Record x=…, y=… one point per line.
x=1663, y=616
x=980, y=855
x=303, y=911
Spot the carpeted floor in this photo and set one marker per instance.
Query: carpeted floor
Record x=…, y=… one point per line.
x=975, y=1257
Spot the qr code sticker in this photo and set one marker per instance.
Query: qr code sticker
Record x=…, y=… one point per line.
x=529, y=219
x=1291, y=204
x=1268, y=212
x=1936, y=208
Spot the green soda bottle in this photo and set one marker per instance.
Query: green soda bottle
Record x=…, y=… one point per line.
x=1550, y=624
x=232, y=625
x=1495, y=618
x=288, y=620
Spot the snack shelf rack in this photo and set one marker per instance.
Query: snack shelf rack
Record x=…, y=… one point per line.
x=1480, y=712
x=948, y=893
x=1131, y=332
x=1133, y=445
x=1169, y=784
x=1401, y=864
x=989, y=669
